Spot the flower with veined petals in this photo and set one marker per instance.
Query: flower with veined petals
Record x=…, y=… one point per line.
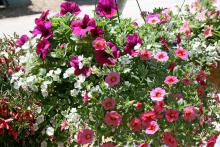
x=21, y=41
x=153, y=19
x=70, y=7
x=157, y=94
x=112, y=118
x=112, y=79
x=108, y=103
x=99, y=43
x=189, y=114
x=106, y=8
x=208, y=32
x=169, y=139
x=136, y=124
x=181, y=53
x=85, y=136
x=132, y=41
x=148, y=116
x=171, y=80
x=161, y=56
x=43, y=28
x=81, y=27
x=42, y=48
x=172, y=115
x=152, y=128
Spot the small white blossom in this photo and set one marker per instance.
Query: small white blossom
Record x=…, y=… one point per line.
x=50, y=131
x=74, y=92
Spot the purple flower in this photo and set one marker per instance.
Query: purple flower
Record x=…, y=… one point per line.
x=43, y=48
x=106, y=8
x=70, y=7
x=97, y=32
x=43, y=16
x=107, y=56
x=22, y=40
x=131, y=42
x=85, y=71
x=81, y=27
x=43, y=28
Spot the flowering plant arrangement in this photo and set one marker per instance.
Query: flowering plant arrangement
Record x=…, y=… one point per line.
x=107, y=81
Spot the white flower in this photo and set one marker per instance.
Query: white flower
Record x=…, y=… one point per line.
x=42, y=71
x=38, y=109
x=43, y=144
x=50, y=131
x=74, y=92
x=40, y=119
x=68, y=72
x=50, y=73
x=57, y=71
x=77, y=85
x=81, y=78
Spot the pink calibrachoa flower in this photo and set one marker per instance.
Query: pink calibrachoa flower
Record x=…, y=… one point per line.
x=131, y=42
x=113, y=118
x=171, y=80
x=69, y=7
x=136, y=124
x=152, y=128
x=153, y=19
x=185, y=28
x=21, y=41
x=208, y=32
x=43, y=28
x=145, y=54
x=181, y=53
x=161, y=56
x=42, y=48
x=108, y=144
x=108, y=103
x=106, y=8
x=172, y=115
x=81, y=27
x=85, y=136
x=189, y=114
x=99, y=43
x=169, y=139
x=64, y=125
x=112, y=79
x=201, y=16
x=148, y=116
x=157, y=94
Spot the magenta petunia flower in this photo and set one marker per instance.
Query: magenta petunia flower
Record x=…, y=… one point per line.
x=148, y=116
x=172, y=115
x=108, y=103
x=81, y=27
x=131, y=42
x=43, y=28
x=181, y=53
x=189, y=114
x=99, y=43
x=136, y=124
x=43, y=16
x=112, y=79
x=69, y=7
x=153, y=19
x=171, y=80
x=208, y=32
x=161, y=56
x=106, y=8
x=113, y=118
x=157, y=94
x=85, y=71
x=145, y=54
x=42, y=48
x=21, y=41
x=152, y=128
x=108, y=56
x=85, y=136
x=97, y=32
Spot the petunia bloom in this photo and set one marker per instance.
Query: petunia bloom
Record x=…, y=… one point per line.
x=69, y=7
x=21, y=41
x=172, y=115
x=189, y=114
x=131, y=42
x=181, y=53
x=148, y=116
x=108, y=103
x=171, y=80
x=161, y=56
x=152, y=128
x=42, y=48
x=208, y=32
x=145, y=54
x=106, y=8
x=81, y=27
x=157, y=94
x=85, y=136
x=185, y=28
x=97, y=32
x=169, y=139
x=136, y=124
x=99, y=43
x=153, y=19
x=113, y=118
x=43, y=28
x=112, y=79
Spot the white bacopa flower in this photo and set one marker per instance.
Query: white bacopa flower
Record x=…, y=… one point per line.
x=81, y=78
x=38, y=109
x=50, y=131
x=50, y=73
x=68, y=72
x=42, y=71
x=74, y=92
x=77, y=85
x=58, y=71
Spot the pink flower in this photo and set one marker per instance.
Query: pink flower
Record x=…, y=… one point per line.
x=106, y=8
x=132, y=41
x=189, y=114
x=153, y=19
x=161, y=56
x=138, y=105
x=157, y=94
x=152, y=128
x=108, y=144
x=145, y=54
x=108, y=103
x=201, y=16
x=208, y=32
x=85, y=136
x=148, y=116
x=165, y=14
x=21, y=41
x=112, y=79
x=85, y=97
x=42, y=48
x=43, y=28
x=113, y=118
x=81, y=27
x=159, y=106
x=185, y=28
x=169, y=139
x=136, y=124
x=64, y=125
x=69, y=7
x=99, y=43
x=181, y=53
x=171, y=80
x=171, y=115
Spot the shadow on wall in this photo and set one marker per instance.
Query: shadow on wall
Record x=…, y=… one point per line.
x=31, y=7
